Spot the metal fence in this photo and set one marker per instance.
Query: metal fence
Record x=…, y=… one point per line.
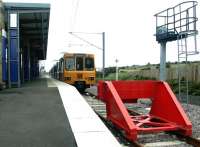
x=193, y=73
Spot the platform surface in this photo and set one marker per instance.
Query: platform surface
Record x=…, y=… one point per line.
x=88, y=129
x=34, y=116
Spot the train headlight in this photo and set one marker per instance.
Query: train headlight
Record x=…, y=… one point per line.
x=91, y=78
x=68, y=78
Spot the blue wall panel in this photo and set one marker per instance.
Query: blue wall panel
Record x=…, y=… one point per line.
x=13, y=49
x=13, y=71
x=14, y=55
x=13, y=33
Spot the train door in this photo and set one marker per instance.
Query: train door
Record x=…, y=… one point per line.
x=80, y=83
x=79, y=63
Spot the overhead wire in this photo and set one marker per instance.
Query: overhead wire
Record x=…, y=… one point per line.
x=86, y=33
x=85, y=41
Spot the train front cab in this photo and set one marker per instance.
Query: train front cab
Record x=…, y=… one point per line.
x=79, y=70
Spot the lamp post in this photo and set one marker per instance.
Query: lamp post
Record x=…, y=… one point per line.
x=116, y=69
x=103, y=49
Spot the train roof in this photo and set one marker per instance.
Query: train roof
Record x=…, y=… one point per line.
x=73, y=54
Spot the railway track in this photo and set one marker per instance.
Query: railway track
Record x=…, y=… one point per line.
x=176, y=140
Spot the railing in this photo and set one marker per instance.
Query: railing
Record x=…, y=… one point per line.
x=178, y=19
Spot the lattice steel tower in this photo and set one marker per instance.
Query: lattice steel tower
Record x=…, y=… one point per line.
x=178, y=23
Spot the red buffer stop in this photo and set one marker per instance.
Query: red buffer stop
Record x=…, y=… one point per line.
x=166, y=113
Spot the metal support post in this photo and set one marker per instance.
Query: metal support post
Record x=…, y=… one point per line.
x=13, y=49
x=29, y=62
x=1, y=27
x=8, y=55
x=163, y=61
x=22, y=64
x=19, y=54
x=103, y=48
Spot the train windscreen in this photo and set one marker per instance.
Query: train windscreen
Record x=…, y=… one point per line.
x=89, y=63
x=69, y=63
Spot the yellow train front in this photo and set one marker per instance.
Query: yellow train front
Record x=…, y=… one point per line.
x=79, y=70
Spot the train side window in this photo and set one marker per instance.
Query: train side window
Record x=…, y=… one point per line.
x=69, y=63
x=79, y=63
x=89, y=63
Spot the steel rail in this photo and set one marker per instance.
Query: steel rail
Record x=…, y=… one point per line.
x=188, y=139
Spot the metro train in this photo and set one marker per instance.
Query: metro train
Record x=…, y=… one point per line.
x=76, y=69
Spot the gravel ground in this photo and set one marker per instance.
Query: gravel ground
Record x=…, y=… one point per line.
x=193, y=112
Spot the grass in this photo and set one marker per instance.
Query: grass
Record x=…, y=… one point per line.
x=128, y=74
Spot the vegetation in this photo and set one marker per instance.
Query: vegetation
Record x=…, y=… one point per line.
x=127, y=73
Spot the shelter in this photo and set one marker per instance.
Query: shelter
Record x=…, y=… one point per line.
x=24, y=41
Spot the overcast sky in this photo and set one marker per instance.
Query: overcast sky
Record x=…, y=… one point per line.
x=129, y=27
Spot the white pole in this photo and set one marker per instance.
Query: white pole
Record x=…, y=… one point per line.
x=117, y=69
x=103, y=49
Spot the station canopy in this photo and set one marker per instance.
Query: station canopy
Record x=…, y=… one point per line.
x=33, y=25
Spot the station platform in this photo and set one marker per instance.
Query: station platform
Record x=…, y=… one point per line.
x=50, y=113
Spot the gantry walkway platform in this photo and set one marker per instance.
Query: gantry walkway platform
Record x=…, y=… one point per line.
x=49, y=113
